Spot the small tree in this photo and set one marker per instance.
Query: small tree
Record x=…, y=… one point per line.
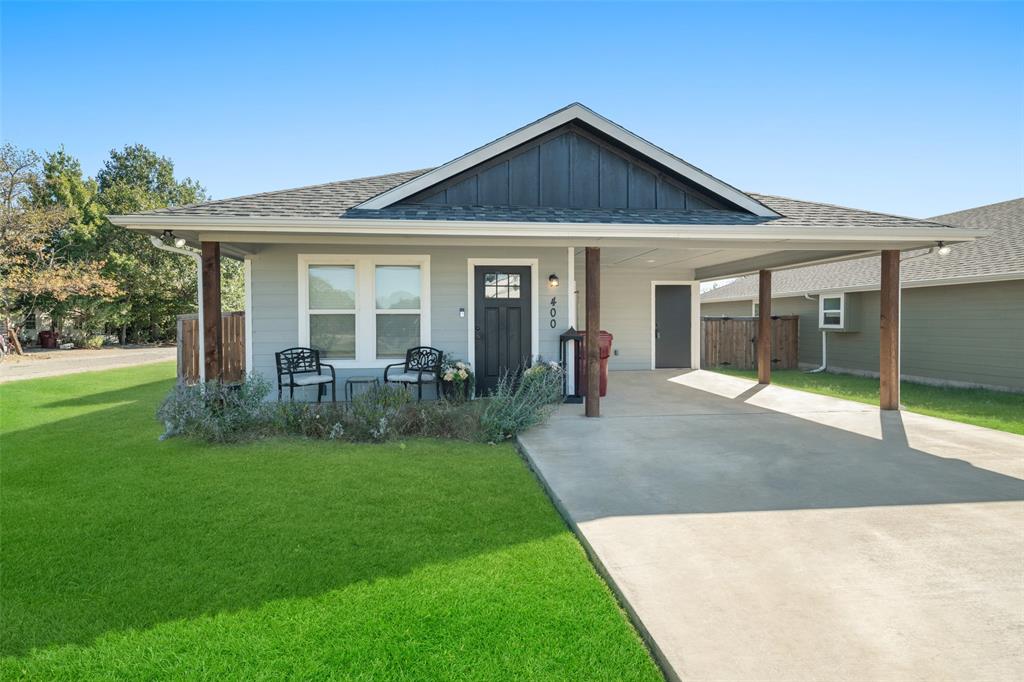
x=38, y=259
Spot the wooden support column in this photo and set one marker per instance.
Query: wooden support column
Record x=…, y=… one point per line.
x=213, y=334
x=593, y=303
x=889, y=346
x=764, y=327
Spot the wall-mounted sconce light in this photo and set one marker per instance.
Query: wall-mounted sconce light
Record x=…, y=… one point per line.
x=552, y=281
x=169, y=237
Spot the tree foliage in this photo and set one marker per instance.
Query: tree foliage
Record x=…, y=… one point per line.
x=40, y=264
x=100, y=276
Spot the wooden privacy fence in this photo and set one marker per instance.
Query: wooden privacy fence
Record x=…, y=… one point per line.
x=233, y=327
x=732, y=342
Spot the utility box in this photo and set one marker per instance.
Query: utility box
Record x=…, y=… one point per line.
x=836, y=313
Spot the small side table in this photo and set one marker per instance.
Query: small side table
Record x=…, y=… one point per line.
x=350, y=385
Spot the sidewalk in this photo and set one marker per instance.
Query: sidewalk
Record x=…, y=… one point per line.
x=38, y=363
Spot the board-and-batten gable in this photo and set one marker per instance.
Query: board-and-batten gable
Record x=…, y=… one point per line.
x=568, y=168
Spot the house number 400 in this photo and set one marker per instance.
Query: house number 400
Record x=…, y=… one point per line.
x=553, y=312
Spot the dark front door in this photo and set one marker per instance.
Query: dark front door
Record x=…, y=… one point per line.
x=672, y=325
x=502, y=311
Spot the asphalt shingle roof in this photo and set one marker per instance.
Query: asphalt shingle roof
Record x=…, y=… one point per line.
x=328, y=200
x=337, y=199
x=1002, y=253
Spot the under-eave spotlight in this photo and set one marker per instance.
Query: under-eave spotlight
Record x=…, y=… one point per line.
x=944, y=249
x=168, y=236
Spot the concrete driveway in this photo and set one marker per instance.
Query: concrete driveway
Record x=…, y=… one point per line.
x=777, y=535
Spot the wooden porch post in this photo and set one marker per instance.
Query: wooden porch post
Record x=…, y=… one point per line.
x=764, y=327
x=593, y=301
x=889, y=347
x=213, y=335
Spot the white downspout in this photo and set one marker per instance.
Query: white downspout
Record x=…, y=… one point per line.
x=929, y=252
x=156, y=241
x=824, y=347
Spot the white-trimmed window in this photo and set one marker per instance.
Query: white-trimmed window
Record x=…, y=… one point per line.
x=832, y=311
x=363, y=311
x=755, y=308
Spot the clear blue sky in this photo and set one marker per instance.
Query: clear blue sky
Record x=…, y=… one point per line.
x=913, y=108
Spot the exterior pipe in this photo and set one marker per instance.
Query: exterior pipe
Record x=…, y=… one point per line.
x=824, y=347
x=155, y=241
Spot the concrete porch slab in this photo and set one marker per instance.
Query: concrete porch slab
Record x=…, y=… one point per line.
x=771, y=534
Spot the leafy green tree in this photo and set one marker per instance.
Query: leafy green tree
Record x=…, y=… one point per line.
x=157, y=286
x=40, y=265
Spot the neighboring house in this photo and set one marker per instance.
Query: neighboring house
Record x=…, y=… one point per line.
x=483, y=257
x=963, y=313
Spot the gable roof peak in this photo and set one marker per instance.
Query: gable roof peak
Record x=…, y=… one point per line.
x=571, y=113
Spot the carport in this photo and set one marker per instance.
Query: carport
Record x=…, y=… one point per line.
x=756, y=532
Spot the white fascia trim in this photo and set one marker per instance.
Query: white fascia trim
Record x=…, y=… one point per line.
x=534, y=265
x=550, y=122
x=906, y=284
x=365, y=310
x=487, y=228
x=694, y=319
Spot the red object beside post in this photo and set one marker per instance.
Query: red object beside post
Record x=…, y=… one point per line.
x=605, y=351
x=47, y=339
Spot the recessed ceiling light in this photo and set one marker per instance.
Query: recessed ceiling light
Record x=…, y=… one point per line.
x=650, y=260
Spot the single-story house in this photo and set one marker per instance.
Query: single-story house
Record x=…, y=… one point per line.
x=569, y=221
x=962, y=312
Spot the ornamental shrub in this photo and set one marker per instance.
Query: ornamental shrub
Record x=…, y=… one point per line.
x=372, y=414
x=440, y=419
x=519, y=403
x=218, y=413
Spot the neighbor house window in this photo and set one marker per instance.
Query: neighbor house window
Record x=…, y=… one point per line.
x=363, y=310
x=757, y=309
x=831, y=311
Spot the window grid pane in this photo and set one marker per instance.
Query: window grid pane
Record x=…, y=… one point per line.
x=397, y=287
x=332, y=287
x=396, y=334
x=334, y=335
x=501, y=285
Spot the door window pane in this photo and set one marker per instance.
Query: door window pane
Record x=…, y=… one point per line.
x=396, y=334
x=333, y=335
x=332, y=287
x=501, y=285
x=398, y=287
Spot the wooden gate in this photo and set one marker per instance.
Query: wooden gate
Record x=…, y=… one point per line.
x=233, y=328
x=732, y=342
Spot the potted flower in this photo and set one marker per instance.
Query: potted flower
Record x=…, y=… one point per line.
x=457, y=380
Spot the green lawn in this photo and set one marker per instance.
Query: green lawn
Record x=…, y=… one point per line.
x=994, y=409
x=127, y=558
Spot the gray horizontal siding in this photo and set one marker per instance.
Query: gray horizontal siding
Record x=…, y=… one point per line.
x=275, y=323
x=626, y=310
x=968, y=333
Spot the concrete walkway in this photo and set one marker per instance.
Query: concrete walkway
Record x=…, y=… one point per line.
x=762, y=533
x=38, y=363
